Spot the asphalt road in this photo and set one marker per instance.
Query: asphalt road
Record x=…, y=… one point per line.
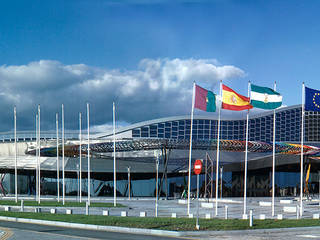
x=263, y=234
x=26, y=231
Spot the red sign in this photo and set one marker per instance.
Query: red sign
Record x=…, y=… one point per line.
x=197, y=166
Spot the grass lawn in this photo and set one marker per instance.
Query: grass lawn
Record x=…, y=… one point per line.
x=175, y=224
x=46, y=203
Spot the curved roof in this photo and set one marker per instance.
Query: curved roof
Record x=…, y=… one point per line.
x=224, y=117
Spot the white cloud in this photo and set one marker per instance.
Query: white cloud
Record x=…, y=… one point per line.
x=158, y=88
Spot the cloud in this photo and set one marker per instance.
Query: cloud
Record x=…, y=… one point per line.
x=157, y=88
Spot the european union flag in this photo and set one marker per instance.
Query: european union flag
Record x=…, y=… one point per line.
x=312, y=101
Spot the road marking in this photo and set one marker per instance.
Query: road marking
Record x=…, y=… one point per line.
x=309, y=236
x=7, y=233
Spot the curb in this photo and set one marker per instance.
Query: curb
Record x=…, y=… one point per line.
x=95, y=227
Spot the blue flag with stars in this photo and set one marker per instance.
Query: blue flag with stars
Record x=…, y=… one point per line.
x=312, y=101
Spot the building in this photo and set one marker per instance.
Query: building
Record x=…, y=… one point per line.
x=138, y=145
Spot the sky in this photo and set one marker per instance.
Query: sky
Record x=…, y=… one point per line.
x=145, y=55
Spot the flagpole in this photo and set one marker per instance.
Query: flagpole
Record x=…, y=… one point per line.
x=63, y=182
x=39, y=155
x=80, y=159
x=246, y=161
x=273, y=154
x=89, y=180
x=114, y=158
x=190, y=149
x=302, y=138
x=58, y=167
x=218, y=150
x=15, y=155
x=37, y=158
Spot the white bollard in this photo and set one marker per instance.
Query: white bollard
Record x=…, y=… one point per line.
x=143, y=214
x=208, y=216
x=7, y=208
x=68, y=211
x=105, y=213
x=298, y=212
x=251, y=219
x=226, y=212
x=22, y=206
x=262, y=217
x=37, y=210
x=315, y=216
x=245, y=216
x=280, y=217
x=124, y=214
x=190, y=215
x=174, y=215
x=87, y=208
x=53, y=211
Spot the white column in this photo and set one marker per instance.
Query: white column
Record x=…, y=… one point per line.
x=80, y=158
x=157, y=176
x=246, y=161
x=15, y=156
x=39, y=155
x=190, y=149
x=37, y=159
x=273, y=155
x=302, y=138
x=89, y=180
x=63, y=174
x=218, y=149
x=114, y=158
x=58, y=167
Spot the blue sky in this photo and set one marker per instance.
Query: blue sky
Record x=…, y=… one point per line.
x=268, y=40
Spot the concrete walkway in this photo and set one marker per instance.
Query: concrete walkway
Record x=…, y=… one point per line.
x=287, y=207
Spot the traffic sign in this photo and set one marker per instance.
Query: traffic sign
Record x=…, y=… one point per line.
x=197, y=166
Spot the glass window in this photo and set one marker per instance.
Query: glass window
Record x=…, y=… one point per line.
x=136, y=131
x=144, y=134
x=153, y=127
x=144, y=129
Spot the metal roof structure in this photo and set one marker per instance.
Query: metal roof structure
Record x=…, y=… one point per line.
x=128, y=145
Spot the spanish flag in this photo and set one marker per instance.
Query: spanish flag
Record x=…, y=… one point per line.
x=234, y=101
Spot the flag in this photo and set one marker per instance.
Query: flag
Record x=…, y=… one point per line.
x=312, y=100
x=204, y=99
x=265, y=98
x=234, y=101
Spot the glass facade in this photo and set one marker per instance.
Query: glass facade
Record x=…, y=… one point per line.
x=288, y=128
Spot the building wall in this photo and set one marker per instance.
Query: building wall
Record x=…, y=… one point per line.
x=288, y=128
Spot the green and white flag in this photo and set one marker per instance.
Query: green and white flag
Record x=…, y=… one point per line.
x=265, y=98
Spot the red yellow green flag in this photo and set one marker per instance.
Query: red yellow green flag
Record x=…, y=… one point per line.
x=232, y=100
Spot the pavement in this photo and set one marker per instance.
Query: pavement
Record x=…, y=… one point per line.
x=235, y=210
x=166, y=207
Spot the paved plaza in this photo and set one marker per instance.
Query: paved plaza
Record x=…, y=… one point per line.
x=287, y=207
